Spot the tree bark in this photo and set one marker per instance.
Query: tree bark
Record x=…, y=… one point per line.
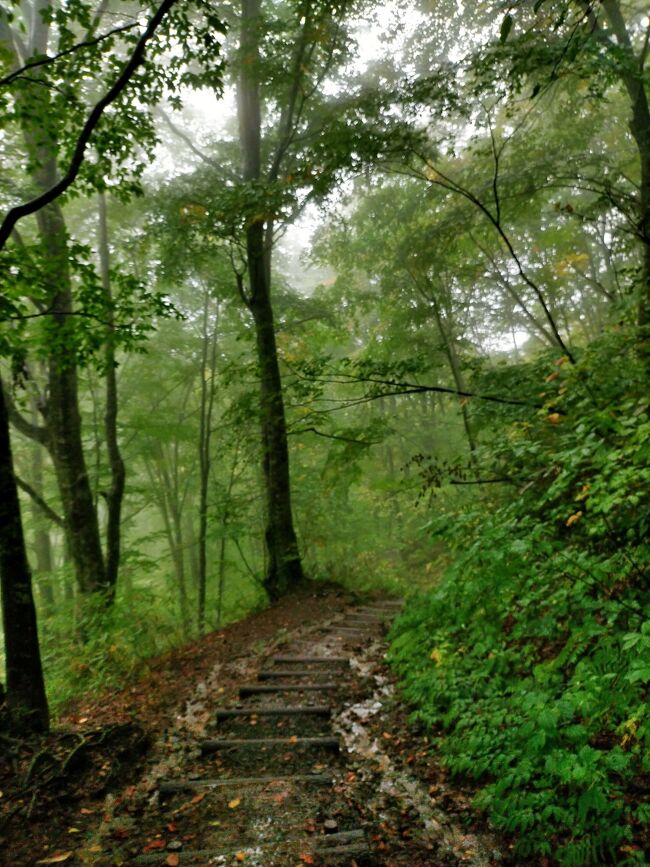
x=26, y=698
x=284, y=569
x=115, y=494
x=63, y=420
x=208, y=369
x=633, y=79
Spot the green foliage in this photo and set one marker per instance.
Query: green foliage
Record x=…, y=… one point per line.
x=530, y=658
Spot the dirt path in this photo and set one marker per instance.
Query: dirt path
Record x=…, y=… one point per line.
x=279, y=758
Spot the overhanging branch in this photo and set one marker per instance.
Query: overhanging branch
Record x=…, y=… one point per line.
x=94, y=117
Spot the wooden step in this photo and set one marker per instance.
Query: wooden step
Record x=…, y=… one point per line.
x=168, y=787
x=213, y=746
x=264, y=710
x=340, y=660
x=270, y=674
x=330, y=856
x=330, y=840
x=361, y=624
x=330, y=844
x=254, y=689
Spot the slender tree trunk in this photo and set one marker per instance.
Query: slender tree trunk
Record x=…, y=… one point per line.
x=225, y=518
x=63, y=419
x=115, y=494
x=42, y=544
x=208, y=369
x=284, y=569
x=26, y=698
x=633, y=78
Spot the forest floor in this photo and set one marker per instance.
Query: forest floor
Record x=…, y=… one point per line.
x=126, y=777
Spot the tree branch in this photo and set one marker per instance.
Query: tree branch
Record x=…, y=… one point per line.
x=18, y=420
x=94, y=117
x=333, y=436
x=48, y=511
x=45, y=61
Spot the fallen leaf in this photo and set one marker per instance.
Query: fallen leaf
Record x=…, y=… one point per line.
x=306, y=858
x=387, y=736
x=82, y=720
x=57, y=859
x=350, y=777
x=234, y=803
x=554, y=418
x=154, y=845
x=198, y=798
x=173, y=860
x=172, y=827
x=74, y=830
x=86, y=812
x=293, y=739
x=240, y=856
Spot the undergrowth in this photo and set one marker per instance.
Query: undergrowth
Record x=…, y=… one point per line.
x=530, y=660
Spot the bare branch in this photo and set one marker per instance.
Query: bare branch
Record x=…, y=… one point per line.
x=46, y=61
x=48, y=511
x=94, y=117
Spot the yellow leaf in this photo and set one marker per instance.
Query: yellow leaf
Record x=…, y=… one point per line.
x=57, y=859
x=584, y=493
x=234, y=803
x=240, y=856
x=573, y=518
x=74, y=830
x=436, y=656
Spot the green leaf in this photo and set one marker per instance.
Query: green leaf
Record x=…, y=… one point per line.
x=506, y=27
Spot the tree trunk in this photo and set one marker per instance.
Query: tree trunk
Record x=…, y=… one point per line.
x=26, y=698
x=208, y=368
x=632, y=76
x=42, y=543
x=115, y=494
x=284, y=569
x=63, y=420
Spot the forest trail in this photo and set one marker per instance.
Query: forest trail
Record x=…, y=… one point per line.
x=285, y=754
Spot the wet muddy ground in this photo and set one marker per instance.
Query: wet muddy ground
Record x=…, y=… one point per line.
x=286, y=750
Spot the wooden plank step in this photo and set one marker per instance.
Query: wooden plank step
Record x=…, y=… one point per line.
x=352, y=850
x=168, y=787
x=270, y=674
x=202, y=856
x=341, y=660
x=362, y=624
x=254, y=689
x=330, y=840
x=213, y=746
x=264, y=710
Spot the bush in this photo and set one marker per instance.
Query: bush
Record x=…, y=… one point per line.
x=531, y=658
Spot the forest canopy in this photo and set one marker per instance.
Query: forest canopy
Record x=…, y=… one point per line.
x=331, y=290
